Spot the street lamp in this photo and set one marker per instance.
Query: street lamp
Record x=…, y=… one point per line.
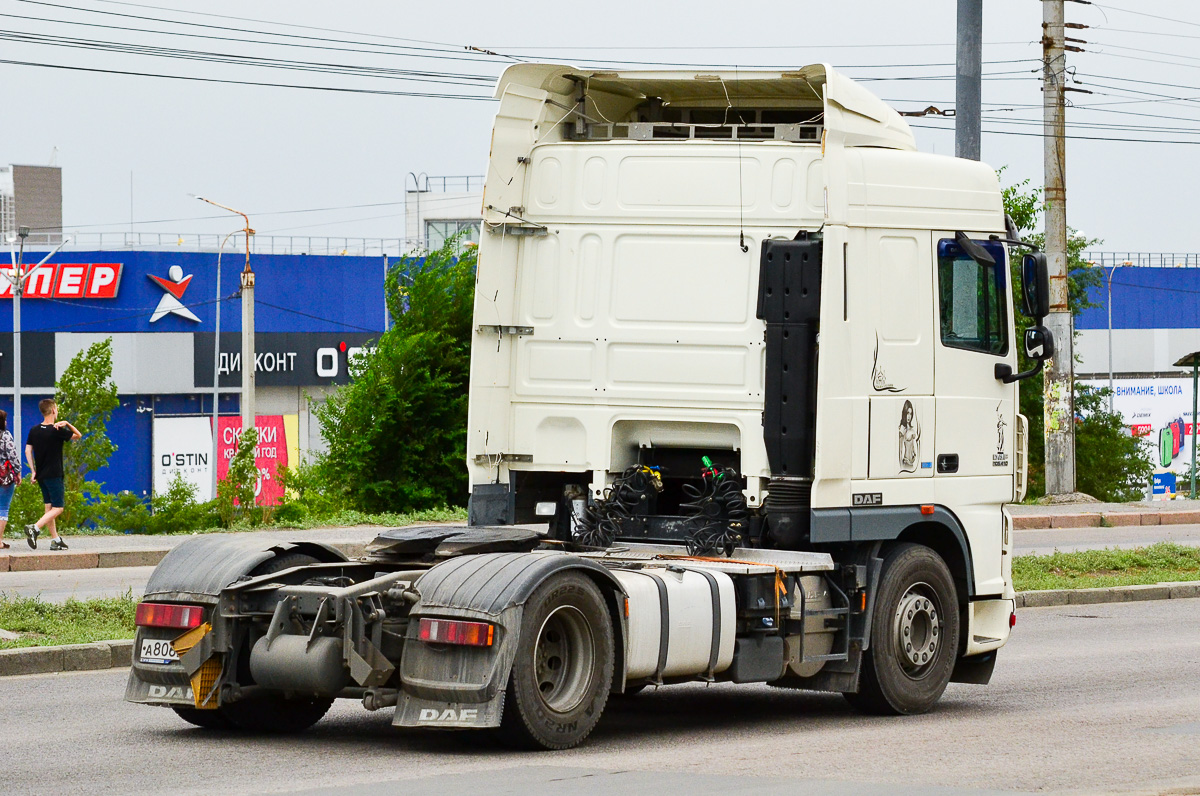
x=247, y=281
x=1112, y=270
x=417, y=190
x=216, y=446
x=18, y=276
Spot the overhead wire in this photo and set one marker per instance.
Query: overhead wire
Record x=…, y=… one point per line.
x=337, y=89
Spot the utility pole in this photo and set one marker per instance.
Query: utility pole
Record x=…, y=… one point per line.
x=247, y=347
x=18, y=276
x=968, y=77
x=247, y=284
x=1060, y=376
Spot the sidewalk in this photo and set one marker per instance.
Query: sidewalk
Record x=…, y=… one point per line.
x=138, y=550
x=133, y=550
x=1105, y=515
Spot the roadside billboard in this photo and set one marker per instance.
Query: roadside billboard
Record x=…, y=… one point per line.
x=1159, y=412
x=183, y=445
x=278, y=446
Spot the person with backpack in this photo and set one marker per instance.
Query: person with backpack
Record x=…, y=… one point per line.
x=44, y=450
x=10, y=473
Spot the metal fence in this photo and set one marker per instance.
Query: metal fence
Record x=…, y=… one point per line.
x=1143, y=259
x=259, y=244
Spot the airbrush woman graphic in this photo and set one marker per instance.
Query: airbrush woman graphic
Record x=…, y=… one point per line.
x=910, y=439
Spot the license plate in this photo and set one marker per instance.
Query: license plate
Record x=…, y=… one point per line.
x=157, y=651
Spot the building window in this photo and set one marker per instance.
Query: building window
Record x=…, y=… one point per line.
x=439, y=231
x=973, y=299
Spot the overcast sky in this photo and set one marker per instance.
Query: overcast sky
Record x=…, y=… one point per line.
x=273, y=150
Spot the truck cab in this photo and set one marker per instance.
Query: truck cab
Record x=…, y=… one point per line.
x=758, y=270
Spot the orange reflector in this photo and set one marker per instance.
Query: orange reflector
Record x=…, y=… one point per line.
x=927, y=509
x=864, y=602
x=626, y=607
x=166, y=615
x=453, y=631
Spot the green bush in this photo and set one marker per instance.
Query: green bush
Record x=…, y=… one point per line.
x=308, y=491
x=26, y=507
x=235, y=493
x=123, y=512
x=178, y=511
x=397, y=432
x=1110, y=463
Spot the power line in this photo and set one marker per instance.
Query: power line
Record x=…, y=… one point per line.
x=262, y=303
x=1144, y=14
x=274, y=22
x=297, y=45
x=449, y=78
x=698, y=47
x=223, y=27
x=344, y=90
x=1076, y=137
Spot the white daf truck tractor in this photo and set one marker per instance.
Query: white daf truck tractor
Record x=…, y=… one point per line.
x=743, y=409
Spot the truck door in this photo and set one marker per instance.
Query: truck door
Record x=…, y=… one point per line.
x=974, y=409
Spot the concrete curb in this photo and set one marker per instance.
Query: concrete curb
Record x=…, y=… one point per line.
x=67, y=658
x=119, y=654
x=1111, y=594
x=1103, y=519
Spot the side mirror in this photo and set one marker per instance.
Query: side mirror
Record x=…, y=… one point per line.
x=1039, y=343
x=1035, y=285
x=1039, y=346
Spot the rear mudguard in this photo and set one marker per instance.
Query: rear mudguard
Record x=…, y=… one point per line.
x=196, y=571
x=450, y=686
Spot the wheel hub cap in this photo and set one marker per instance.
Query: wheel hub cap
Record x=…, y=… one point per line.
x=918, y=629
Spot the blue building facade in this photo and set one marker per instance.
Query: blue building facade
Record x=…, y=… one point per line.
x=159, y=308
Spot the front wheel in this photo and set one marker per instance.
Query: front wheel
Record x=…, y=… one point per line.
x=914, y=634
x=563, y=667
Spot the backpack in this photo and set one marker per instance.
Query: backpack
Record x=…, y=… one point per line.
x=8, y=473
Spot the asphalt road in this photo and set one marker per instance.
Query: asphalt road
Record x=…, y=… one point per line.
x=1086, y=699
x=58, y=585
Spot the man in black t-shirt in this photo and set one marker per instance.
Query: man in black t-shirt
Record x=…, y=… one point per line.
x=43, y=450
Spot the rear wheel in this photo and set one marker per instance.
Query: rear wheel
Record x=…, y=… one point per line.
x=208, y=719
x=914, y=634
x=563, y=666
x=276, y=715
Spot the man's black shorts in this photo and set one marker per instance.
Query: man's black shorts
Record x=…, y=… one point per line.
x=53, y=491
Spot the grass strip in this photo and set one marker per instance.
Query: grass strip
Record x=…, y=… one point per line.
x=1158, y=563
x=43, y=624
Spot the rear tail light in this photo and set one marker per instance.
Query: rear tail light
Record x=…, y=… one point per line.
x=181, y=617
x=453, y=631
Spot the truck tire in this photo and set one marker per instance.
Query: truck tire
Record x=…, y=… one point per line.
x=914, y=635
x=563, y=666
x=276, y=715
x=207, y=719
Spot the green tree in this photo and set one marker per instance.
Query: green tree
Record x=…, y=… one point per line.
x=1108, y=461
x=235, y=492
x=396, y=434
x=86, y=397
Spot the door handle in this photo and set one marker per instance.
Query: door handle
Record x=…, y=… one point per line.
x=947, y=463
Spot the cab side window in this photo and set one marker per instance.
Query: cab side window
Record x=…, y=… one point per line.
x=972, y=299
